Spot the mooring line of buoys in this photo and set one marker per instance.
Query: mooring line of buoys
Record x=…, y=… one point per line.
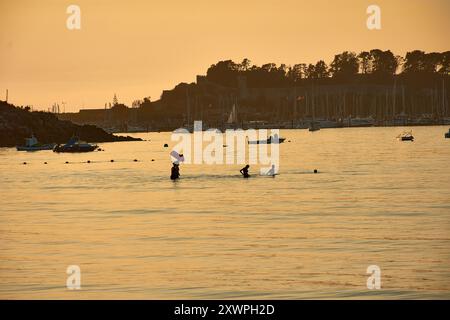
x=90, y=161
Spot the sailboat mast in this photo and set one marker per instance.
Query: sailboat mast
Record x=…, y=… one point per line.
x=443, y=98
x=188, y=107
x=313, y=106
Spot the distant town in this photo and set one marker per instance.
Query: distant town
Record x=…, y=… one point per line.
x=372, y=88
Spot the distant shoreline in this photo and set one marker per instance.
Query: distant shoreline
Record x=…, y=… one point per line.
x=447, y=123
x=18, y=124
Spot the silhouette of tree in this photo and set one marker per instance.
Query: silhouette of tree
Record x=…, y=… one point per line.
x=224, y=72
x=245, y=64
x=344, y=65
x=431, y=62
x=282, y=69
x=413, y=61
x=444, y=65
x=384, y=63
x=321, y=70
x=295, y=73
x=365, y=62
x=310, y=71
x=269, y=67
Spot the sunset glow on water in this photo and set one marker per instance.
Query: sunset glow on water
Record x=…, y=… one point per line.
x=134, y=233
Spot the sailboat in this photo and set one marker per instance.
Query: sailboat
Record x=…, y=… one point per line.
x=232, y=118
x=232, y=121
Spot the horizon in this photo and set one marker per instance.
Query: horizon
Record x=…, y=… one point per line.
x=72, y=66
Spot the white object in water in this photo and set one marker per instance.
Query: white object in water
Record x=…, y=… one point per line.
x=177, y=156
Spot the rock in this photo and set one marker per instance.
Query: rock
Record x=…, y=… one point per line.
x=16, y=124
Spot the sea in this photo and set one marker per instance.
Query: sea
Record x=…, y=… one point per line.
x=375, y=203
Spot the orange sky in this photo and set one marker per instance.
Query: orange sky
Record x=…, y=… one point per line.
x=137, y=48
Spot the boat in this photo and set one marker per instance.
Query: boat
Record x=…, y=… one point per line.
x=406, y=136
x=32, y=144
x=232, y=122
x=75, y=145
x=447, y=134
x=270, y=140
x=314, y=126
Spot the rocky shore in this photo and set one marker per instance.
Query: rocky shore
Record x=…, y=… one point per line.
x=16, y=124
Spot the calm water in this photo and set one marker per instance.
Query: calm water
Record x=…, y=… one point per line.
x=136, y=234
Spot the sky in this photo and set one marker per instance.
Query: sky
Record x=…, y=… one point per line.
x=137, y=48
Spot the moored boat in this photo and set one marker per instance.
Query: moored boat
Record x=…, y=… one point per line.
x=314, y=126
x=75, y=145
x=270, y=140
x=447, y=134
x=406, y=136
x=32, y=144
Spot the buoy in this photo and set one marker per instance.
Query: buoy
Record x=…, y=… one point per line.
x=45, y=162
x=67, y=162
x=89, y=161
x=153, y=159
x=24, y=163
x=165, y=145
x=112, y=160
x=315, y=170
x=135, y=160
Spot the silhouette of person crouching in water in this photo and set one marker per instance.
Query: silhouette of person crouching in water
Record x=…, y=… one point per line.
x=175, y=172
x=272, y=171
x=244, y=171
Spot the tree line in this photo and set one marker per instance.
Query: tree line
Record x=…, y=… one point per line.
x=375, y=64
x=375, y=83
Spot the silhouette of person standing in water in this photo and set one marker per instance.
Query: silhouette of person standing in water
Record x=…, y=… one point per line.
x=175, y=172
x=244, y=171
